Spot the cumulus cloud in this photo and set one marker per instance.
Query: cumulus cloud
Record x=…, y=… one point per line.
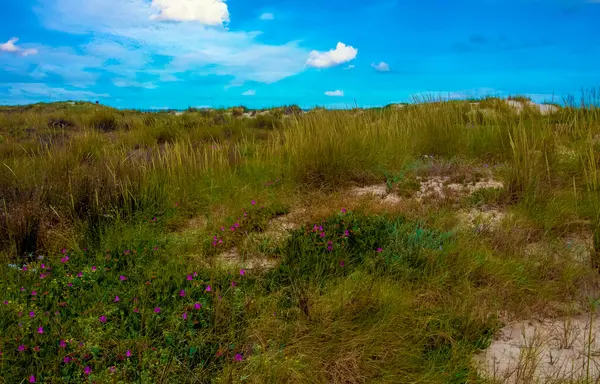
x=267, y=16
x=337, y=93
x=11, y=47
x=250, y=92
x=207, y=12
x=381, y=67
x=342, y=53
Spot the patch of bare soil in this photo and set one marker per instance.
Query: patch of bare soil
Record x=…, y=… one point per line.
x=544, y=351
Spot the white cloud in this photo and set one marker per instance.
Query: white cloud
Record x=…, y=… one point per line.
x=250, y=92
x=24, y=93
x=335, y=93
x=351, y=66
x=341, y=54
x=207, y=12
x=267, y=16
x=11, y=47
x=134, y=40
x=126, y=83
x=381, y=67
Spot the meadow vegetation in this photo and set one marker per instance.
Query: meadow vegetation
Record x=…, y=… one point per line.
x=113, y=224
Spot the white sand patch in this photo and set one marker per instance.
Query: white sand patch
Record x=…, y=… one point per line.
x=544, y=109
x=577, y=248
x=544, y=351
x=438, y=187
x=480, y=220
x=378, y=191
x=233, y=259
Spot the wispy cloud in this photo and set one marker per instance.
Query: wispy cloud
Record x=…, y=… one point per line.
x=11, y=47
x=342, y=53
x=336, y=93
x=250, y=92
x=351, y=66
x=22, y=93
x=381, y=67
x=128, y=29
x=267, y=16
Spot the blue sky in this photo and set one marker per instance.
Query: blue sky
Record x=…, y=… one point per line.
x=261, y=53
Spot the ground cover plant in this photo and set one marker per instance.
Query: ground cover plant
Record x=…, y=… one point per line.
x=227, y=246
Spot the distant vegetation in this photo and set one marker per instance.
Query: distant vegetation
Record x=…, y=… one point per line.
x=112, y=223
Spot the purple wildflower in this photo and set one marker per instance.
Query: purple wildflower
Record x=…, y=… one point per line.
x=238, y=357
x=102, y=319
x=25, y=268
x=233, y=284
x=32, y=379
x=32, y=314
x=117, y=299
x=63, y=251
x=122, y=278
x=42, y=275
x=80, y=274
x=330, y=248
x=112, y=369
x=182, y=293
x=344, y=210
x=21, y=348
x=242, y=272
x=208, y=289
x=33, y=293
x=136, y=310
x=62, y=344
x=379, y=250
x=22, y=289
x=157, y=310
x=5, y=302
x=40, y=330
x=190, y=278
x=87, y=370
x=253, y=202
x=342, y=263
x=43, y=266
x=184, y=315
x=322, y=234
x=128, y=353
x=94, y=268
x=67, y=359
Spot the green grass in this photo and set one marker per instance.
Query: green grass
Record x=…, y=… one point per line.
x=359, y=294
